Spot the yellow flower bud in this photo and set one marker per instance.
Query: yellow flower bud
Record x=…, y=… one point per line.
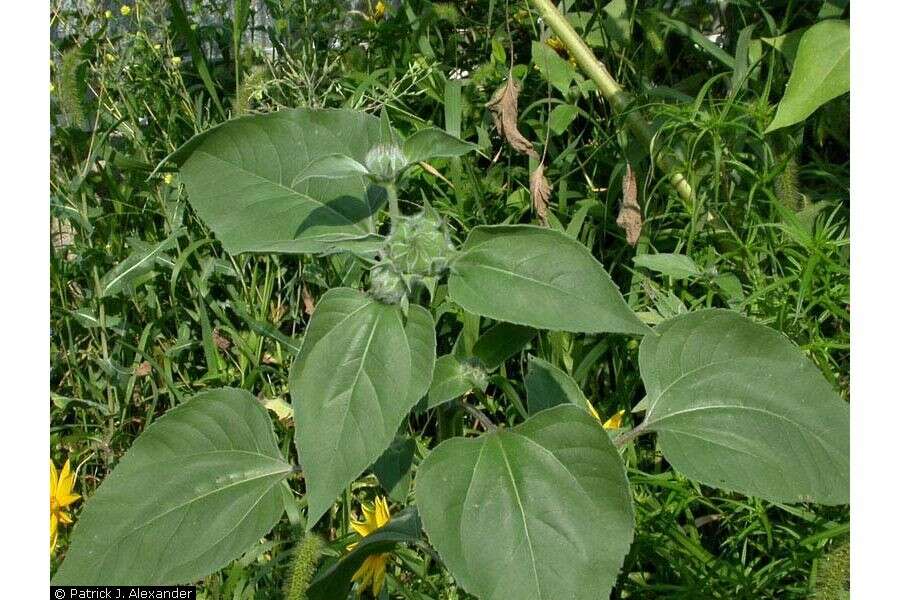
x=125, y=10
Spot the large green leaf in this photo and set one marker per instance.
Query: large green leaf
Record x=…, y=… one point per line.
x=538, y=277
x=350, y=392
x=240, y=178
x=737, y=406
x=821, y=72
x=537, y=512
x=422, y=348
x=195, y=491
x=334, y=580
x=548, y=386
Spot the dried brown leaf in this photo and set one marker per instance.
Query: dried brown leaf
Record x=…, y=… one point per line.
x=629, y=217
x=309, y=304
x=142, y=370
x=504, y=107
x=540, y=192
x=222, y=342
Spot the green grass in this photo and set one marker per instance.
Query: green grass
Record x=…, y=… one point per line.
x=768, y=225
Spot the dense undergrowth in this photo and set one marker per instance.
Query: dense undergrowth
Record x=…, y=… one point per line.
x=146, y=308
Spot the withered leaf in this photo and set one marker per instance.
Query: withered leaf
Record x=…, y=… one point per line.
x=504, y=107
x=309, y=303
x=143, y=369
x=629, y=217
x=222, y=342
x=540, y=192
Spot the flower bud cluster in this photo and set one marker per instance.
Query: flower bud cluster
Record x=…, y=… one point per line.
x=417, y=249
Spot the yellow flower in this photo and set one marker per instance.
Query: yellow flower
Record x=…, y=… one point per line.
x=110, y=58
x=61, y=496
x=371, y=573
x=176, y=60
x=614, y=422
x=52, y=87
x=125, y=10
x=168, y=178
x=560, y=48
x=107, y=14
x=378, y=11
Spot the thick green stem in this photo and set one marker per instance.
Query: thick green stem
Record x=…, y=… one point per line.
x=393, y=203
x=610, y=89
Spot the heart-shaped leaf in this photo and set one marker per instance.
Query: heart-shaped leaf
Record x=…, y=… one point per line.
x=738, y=406
x=195, y=491
x=350, y=392
x=540, y=278
x=240, y=178
x=537, y=512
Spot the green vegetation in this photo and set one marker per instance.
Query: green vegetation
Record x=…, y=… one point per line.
x=162, y=289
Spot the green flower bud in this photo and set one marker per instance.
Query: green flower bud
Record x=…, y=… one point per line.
x=385, y=161
x=419, y=245
x=386, y=285
x=473, y=370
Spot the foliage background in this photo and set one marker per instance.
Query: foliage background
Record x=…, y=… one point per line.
x=146, y=309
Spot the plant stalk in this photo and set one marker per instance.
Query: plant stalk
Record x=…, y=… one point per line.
x=479, y=416
x=618, y=98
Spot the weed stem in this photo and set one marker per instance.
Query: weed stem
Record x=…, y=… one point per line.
x=611, y=90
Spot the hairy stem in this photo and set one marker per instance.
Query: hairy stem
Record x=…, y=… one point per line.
x=630, y=435
x=611, y=90
x=479, y=416
x=393, y=203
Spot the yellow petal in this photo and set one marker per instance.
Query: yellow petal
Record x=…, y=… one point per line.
x=593, y=412
x=64, y=517
x=54, y=477
x=382, y=512
x=378, y=574
x=360, y=527
x=67, y=499
x=615, y=421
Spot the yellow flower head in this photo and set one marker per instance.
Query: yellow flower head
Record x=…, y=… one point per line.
x=61, y=496
x=378, y=11
x=125, y=10
x=561, y=49
x=371, y=573
x=107, y=14
x=176, y=60
x=168, y=178
x=614, y=422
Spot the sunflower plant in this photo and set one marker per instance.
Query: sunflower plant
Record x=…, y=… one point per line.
x=537, y=507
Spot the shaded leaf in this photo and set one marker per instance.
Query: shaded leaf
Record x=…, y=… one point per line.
x=501, y=342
